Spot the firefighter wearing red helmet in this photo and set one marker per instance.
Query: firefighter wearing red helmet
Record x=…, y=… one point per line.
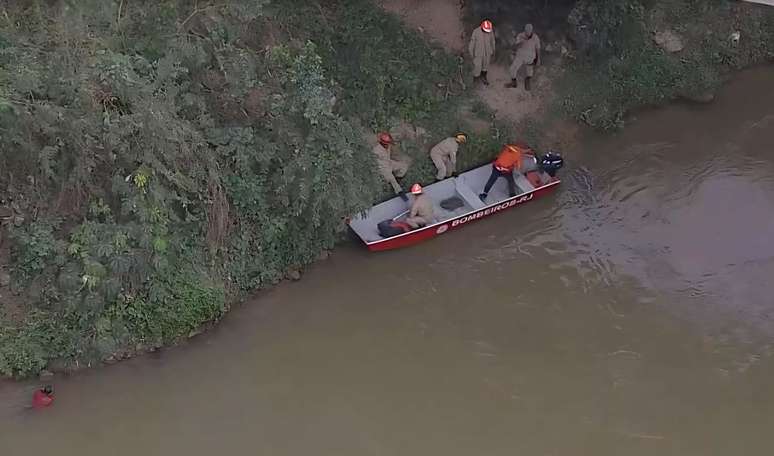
x=421, y=212
x=482, y=50
x=389, y=169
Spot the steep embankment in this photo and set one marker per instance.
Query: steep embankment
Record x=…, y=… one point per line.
x=606, y=58
x=162, y=159
x=444, y=22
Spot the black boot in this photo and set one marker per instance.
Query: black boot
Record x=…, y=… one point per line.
x=403, y=196
x=482, y=196
x=526, y=83
x=513, y=84
x=483, y=78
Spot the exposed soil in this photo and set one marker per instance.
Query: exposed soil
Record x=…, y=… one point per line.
x=515, y=104
x=442, y=22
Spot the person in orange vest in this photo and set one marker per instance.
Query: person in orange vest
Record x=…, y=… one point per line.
x=43, y=397
x=510, y=159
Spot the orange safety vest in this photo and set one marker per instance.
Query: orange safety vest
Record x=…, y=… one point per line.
x=510, y=157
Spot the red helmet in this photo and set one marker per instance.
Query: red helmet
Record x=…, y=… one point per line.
x=416, y=189
x=487, y=26
x=385, y=138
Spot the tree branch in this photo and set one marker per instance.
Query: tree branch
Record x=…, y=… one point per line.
x=196, y=11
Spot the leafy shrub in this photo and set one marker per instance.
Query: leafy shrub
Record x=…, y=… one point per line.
x=623, y=69
x=34, y=246
x=190, y=155
x=25, y=349
x=385, y=70
x=21, y=352
x=177, y=303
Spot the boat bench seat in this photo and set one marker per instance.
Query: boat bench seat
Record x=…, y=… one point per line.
x=523, y=183
x=467, y=194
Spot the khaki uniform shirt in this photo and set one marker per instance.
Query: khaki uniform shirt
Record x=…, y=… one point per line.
x=422, y=207
x=446, y=149
x=527, y=48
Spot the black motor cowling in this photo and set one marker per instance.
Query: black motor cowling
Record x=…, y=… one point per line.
x=551, y=162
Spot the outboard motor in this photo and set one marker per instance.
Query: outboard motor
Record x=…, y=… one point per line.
x=551, y=162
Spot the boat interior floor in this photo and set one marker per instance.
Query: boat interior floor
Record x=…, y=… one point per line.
x=467, y=187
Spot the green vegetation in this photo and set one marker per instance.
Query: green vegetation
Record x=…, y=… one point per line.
x=162, y=158
x=624, y=68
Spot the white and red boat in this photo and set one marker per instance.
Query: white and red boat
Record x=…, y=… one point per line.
x=461, y=191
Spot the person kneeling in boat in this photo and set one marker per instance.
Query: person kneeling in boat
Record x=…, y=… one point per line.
x=421, y=212
x=510, y=159
x=444, y=155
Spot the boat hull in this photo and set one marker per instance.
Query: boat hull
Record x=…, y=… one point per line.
x=437, y=229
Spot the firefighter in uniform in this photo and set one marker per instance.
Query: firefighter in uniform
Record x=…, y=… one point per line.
x=527, y=56
x=421, y=212
x=444, y=155
x=389, y=169
x=482, y=49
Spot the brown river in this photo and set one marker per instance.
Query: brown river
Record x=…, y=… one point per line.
x=631, y=313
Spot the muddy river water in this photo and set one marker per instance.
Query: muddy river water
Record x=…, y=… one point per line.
x=632, y=313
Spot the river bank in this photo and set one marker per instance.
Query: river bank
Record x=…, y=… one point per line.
x=627, y=314
x=117, y=251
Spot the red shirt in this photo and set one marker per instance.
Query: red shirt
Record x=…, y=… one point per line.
x=41, y=399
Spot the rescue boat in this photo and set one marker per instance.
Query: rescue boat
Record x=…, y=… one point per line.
x=456, y=203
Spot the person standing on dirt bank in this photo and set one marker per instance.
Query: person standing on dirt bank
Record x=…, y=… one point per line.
x=444, y=155
x=527, y=56
x=389, y=168
x=482, y=49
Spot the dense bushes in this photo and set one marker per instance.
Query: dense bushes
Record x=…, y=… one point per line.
x=164, y=157
x=161, y=158
x=621, y=68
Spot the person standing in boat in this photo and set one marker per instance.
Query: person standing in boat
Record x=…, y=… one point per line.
x=527, y=56
x=510, y=159
x=389, y=169
x=444, y=155
x=421, y=212
x=482, y=49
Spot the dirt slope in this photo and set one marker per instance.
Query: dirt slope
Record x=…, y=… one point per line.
x=441, y=21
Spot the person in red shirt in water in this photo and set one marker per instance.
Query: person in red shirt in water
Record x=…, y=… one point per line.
x=43, y=397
